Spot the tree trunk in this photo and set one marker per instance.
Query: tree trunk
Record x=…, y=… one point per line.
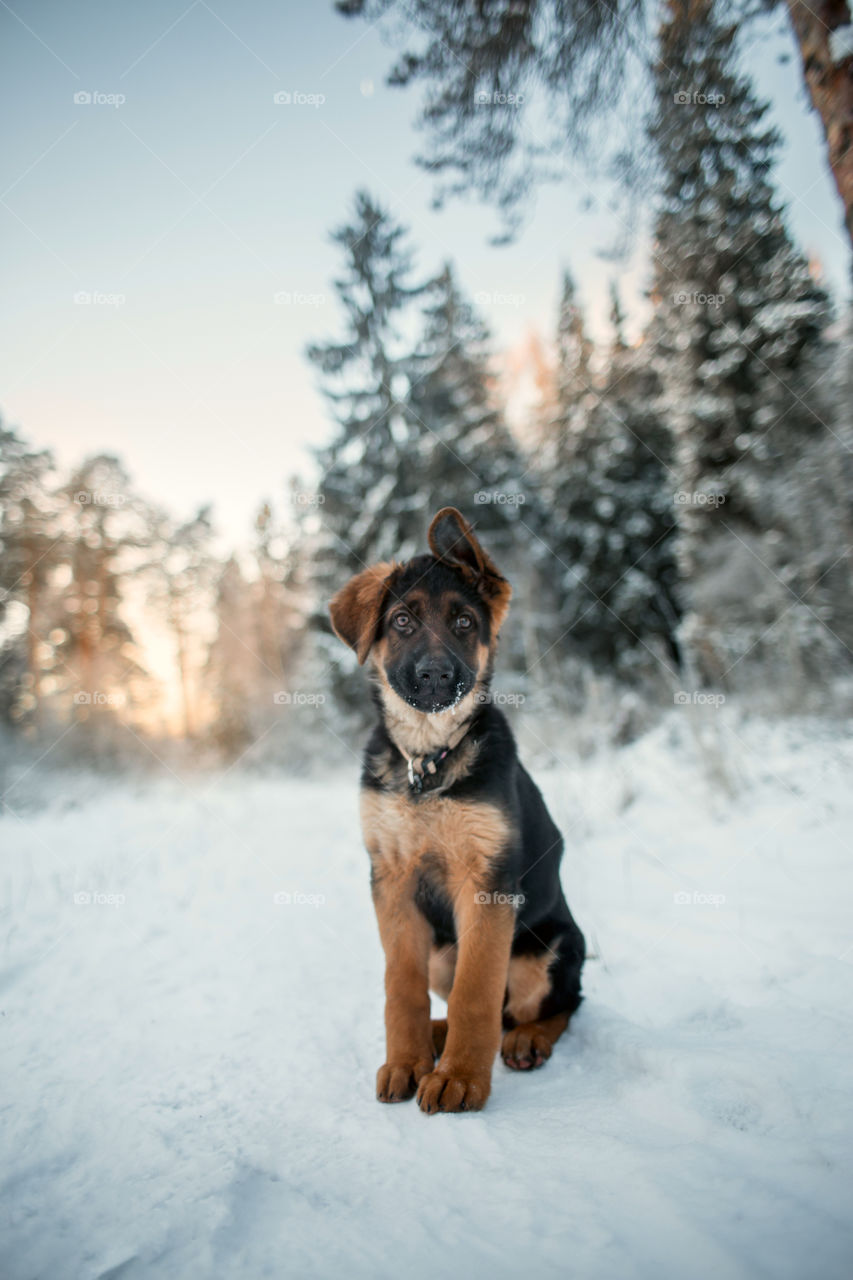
x=33, y=663
x=830, y=84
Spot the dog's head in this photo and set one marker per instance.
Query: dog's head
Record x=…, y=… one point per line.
x=430, y=626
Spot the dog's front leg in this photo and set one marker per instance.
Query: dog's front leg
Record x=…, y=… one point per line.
x=462, y=1080
x=406, y=938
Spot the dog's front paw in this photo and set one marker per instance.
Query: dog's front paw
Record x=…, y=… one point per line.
x=449, y=1089
x=397, y=1081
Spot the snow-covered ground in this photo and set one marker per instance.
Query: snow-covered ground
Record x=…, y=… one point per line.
x=188, y=1060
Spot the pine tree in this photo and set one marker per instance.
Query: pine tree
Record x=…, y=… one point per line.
x=278, y=614
x=100, y=674
x=179, y=573
x=231, y=665
x=462, y=451
x=31, y=545
x=418, y=423
x=462, y=454
x=366, y=379
x=738, y=334
x=617, y=319
x=570, y=390
x=612, y=543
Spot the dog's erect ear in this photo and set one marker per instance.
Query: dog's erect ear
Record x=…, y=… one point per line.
x=452, y=540
x=357, y=608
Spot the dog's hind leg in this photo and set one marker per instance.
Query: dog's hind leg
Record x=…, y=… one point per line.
x=439, y=1035
x=442, y=967
x=530, y=1044
x=543, y=991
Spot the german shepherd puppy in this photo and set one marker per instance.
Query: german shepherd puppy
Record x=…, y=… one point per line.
x=464, y=855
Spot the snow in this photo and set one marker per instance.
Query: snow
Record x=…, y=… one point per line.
x=841, y=43
x=189, y=1066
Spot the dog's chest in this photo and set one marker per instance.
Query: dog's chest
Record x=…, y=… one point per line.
x=456, y=839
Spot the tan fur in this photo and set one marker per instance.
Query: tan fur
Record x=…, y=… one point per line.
x=459, y=837
x=356, y=609
x=531, y=1043
x=454, y=841
x=418, y=734
x=406, y=940
x=462, y=1077
x=442, y=967
x=528, y=984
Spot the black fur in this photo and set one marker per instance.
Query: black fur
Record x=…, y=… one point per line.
x=529, y=867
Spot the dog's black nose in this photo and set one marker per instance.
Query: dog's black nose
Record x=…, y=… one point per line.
x=431, y=673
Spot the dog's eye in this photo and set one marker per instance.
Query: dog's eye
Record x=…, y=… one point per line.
x=464, y=622
x=401, y=621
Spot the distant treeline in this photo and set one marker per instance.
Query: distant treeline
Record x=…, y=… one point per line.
x=676, y=514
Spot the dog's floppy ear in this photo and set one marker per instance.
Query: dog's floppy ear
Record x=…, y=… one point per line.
x=357, y=608
x=452, y=540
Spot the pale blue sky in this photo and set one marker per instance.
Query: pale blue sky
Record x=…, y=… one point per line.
x=198, y=199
